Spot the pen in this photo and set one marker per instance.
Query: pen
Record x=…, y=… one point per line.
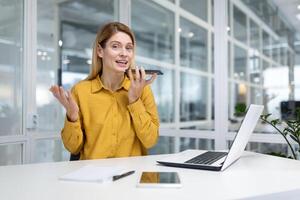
x=116, y=177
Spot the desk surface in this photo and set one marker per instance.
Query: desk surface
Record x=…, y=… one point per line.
x=253, y=176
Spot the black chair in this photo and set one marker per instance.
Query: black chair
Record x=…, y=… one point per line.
x=74, y=157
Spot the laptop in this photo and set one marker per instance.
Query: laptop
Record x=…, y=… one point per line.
x=215, y=160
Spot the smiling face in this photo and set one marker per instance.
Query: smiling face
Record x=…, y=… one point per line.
x=118, y=52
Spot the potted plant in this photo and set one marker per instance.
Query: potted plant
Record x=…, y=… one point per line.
x=287, y=128
x=240, y=109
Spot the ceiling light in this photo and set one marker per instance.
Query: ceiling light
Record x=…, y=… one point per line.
x=256, y=80
x=242, y=89
x=60, y=43
x=298, y=16
x=66, y=61
x=298, y=7
x=89, y=61
x=191, y=34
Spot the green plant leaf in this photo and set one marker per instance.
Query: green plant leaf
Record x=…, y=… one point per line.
x=288, y=131
x=292, y=124
x=292, y=128
x=297, y=133
x=240, y=109
x=275, y=122
x=265, y=117
x=297, y=111
x=294, y=138
x=290, y=121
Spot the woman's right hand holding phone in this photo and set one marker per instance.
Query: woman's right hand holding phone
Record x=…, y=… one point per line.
x=66, y=99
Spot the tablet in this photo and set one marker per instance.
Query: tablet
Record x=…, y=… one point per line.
x=159, y=180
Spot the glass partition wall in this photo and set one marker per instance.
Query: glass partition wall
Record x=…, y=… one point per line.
x=260, y=71
x=174, y=36
x=11, y=99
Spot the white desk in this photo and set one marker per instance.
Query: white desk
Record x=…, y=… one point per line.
x=254, y=176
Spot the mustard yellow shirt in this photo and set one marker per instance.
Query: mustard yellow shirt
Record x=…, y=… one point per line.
x=108, y=126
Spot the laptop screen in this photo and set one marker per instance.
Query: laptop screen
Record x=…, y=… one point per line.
x=243, y=135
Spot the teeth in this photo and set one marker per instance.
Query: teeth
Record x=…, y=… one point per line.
x=124, y=62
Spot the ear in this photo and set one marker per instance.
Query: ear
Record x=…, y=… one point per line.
x=100, y=51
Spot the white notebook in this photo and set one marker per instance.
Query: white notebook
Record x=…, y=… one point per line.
x=92, y=173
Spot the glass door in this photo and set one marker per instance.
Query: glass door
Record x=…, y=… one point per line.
x=11, y=66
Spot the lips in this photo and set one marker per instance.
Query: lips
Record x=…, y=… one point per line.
x=122, y=63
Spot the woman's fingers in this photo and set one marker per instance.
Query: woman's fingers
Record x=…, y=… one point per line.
x=69, y=96
x=66, y=99
x=63, y=96
x=72, y=103
x=138, y=83
x=71, y=100
x=137, y=73
x=139, y=78
x=153, y=77
x=54, y=90
x=143, y=74
x=129, y=72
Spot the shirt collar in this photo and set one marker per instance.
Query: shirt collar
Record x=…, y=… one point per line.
x=126, y=83
x=97, y=84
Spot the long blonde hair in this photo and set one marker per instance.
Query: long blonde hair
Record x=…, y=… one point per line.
x=106, y=32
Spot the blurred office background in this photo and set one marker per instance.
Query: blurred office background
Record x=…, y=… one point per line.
x=45, y=42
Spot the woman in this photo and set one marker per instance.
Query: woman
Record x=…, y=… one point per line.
x=109, y=114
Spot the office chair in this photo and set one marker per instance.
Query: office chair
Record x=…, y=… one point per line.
x=74, y=157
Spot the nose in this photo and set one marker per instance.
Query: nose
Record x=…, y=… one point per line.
x=123, y=52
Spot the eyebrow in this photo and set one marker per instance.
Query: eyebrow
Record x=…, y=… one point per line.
x=120, y=42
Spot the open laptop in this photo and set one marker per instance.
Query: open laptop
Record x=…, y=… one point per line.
x=214, y=160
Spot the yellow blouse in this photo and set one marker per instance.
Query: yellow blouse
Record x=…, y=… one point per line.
x=108, y=126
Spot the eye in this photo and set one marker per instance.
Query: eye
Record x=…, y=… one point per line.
x=129, y=47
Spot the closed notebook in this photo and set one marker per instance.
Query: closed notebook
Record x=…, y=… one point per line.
x=92, y=173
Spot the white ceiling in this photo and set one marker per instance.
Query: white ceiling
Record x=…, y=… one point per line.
x=288, y=8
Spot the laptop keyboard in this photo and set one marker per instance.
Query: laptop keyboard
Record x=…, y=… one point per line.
x=207, y=158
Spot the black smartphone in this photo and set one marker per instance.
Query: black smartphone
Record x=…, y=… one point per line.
x=153, y=71
x=150, y=71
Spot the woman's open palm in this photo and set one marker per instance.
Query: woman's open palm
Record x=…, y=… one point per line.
x=66, y=99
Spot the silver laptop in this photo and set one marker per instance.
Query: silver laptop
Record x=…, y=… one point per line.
x=214, y=160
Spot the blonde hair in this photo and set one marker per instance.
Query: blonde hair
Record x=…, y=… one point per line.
x=103, y=35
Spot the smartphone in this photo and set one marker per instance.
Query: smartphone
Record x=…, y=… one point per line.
x=153, y=71
x=159, y=180
x=150, y=71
